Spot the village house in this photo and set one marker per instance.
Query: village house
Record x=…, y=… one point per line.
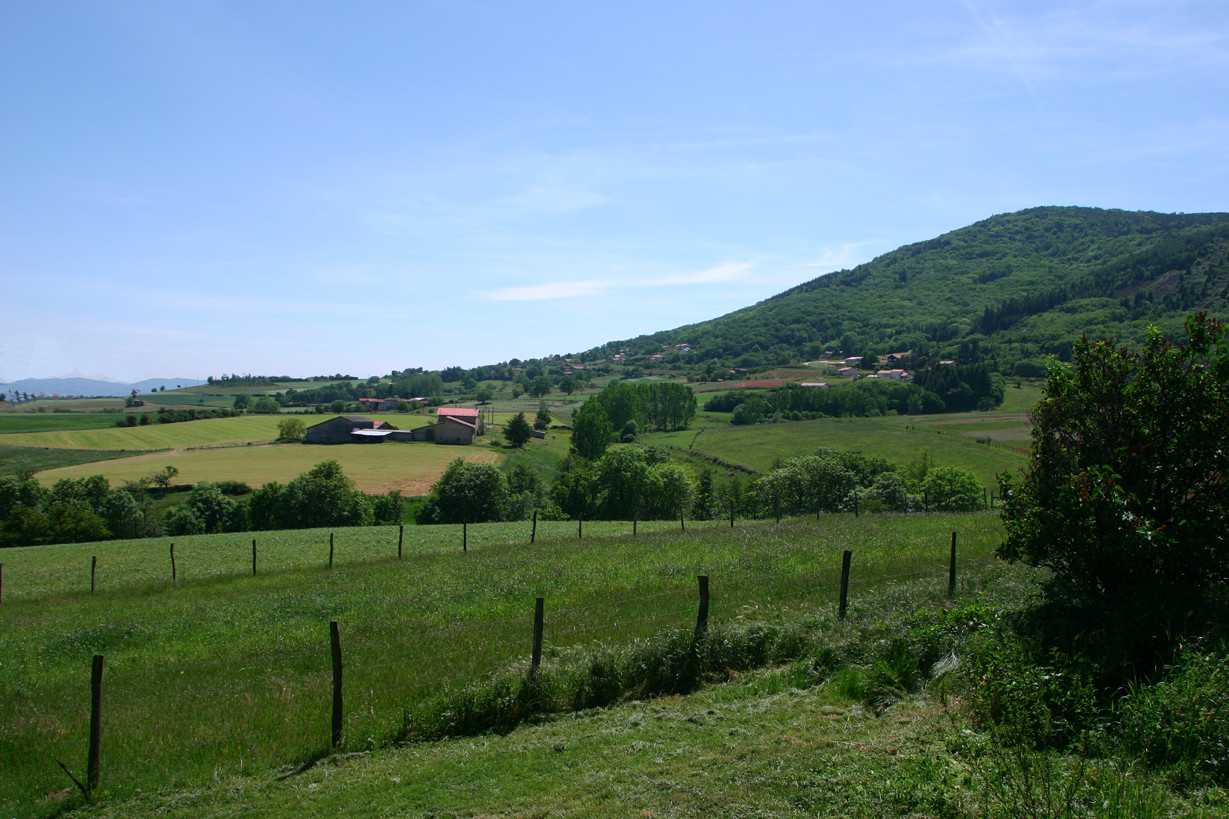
x=847, y=372
x=380, y=404
x=815, y=385
x=895, y=375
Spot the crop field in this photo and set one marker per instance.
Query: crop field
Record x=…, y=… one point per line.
x=375, y=468
x=49, y=422
x=227, y=671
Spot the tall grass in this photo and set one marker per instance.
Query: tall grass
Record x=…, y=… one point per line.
x=227, y=672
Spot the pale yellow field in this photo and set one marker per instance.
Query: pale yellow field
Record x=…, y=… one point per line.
x=242, y=430
x=375, y=468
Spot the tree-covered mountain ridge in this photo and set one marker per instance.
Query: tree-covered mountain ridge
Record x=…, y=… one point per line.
x=1010, y=290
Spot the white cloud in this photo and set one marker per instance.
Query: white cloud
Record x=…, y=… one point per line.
x=548, y=290
x=728, y=271
x=849, y=254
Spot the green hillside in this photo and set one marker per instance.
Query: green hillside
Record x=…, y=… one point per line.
x=1009, y=290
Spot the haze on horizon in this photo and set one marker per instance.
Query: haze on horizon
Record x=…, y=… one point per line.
x=303, y=188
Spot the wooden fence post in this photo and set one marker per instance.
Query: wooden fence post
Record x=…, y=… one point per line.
x=533, y=533
x=174, y=575
x=330, y=550
x=580, y=526
x=335, y=643
x=682, y=522
x=400, y=538
x=731, y=514
x=93, y=569
x=951, y=570
x=702, y=615
x=1, y=582
x=253, y=557
x=464, y=536
x=844, y=584
x=536, y=657
x=635, y=522
x=855, y=504
x=93, y=771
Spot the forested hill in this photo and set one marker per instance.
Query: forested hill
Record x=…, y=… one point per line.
x=1010, y=290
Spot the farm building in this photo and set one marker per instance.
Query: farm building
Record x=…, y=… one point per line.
x=343, y=429
x=380, y=404
x=454, y=425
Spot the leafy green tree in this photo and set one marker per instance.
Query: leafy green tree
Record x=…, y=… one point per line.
x=466, y=493
x=542, y=419
x=574, y=490
x=540, y=386
x=948, y=489
x=242, y=402
x=266, y=508
x=591, y=430
x=323, y=496
x=1125, y=496
x=484, y=394
x=518, y=432
x=164, y=478
x=291, y=429
x=124, y=514
x=266, y=406
x=567, y=384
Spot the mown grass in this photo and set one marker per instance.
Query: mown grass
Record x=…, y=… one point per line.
x=228, y=673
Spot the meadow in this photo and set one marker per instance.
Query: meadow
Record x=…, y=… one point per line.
x=227, y=674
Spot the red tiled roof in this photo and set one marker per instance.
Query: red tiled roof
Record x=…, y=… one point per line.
x=456, y=412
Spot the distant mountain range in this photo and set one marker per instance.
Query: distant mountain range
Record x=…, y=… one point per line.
x=93, y=387
x=1010, y=291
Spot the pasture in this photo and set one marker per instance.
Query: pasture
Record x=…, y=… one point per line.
x=227, y=673
x=897, y=438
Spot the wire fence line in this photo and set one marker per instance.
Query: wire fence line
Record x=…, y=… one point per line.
x=258, y=712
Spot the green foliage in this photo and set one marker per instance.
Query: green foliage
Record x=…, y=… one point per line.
x=517, y=431
x=1125, y=498
x=322, y=496
x=948, y=489
x=654, y=405
x=1181, y=723
x=591, y=430
x=467, y=493
x=291, y=429
x=1023, y=699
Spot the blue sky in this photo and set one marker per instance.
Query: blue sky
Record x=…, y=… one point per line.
x=195, y=188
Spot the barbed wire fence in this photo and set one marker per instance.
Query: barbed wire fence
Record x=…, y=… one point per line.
x=294, y=706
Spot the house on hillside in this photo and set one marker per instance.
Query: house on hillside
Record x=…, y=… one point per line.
x=453, y=425
x=895, y=375
x=380, y=404
x=847, y=372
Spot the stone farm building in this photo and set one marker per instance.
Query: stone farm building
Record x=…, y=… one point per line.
x=348, y=429
x=453, y=425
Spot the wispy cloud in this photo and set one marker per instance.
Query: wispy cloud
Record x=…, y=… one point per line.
x=841, y=256
x=729, y=271
x=726, y=272
x=548, y=290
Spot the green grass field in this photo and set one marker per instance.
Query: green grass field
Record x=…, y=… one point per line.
x=227, y=674
x=898, y=439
